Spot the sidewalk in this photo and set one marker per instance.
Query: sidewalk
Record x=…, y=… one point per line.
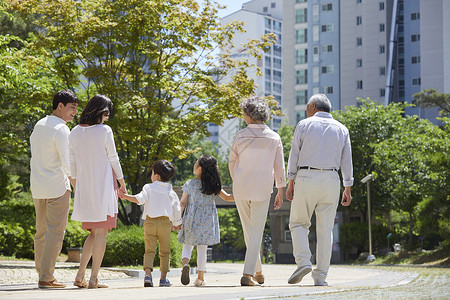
x=18, y=280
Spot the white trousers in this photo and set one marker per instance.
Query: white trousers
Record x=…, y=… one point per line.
x=253, y=215
x=314, y=191
x=201, y=255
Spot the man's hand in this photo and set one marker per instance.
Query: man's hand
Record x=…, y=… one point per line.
x=346, y=197
x=290, y=190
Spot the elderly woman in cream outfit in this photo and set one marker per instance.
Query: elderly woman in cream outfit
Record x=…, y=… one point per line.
x=256, y=160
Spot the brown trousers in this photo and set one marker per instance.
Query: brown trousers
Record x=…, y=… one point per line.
x=157, y=229
x=51, y=221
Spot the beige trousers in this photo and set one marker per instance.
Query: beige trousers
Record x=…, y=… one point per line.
x=253, y=215
x=314, y=191
x=51, y=221
x=157, y=229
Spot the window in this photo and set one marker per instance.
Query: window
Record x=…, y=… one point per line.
x=415, y=16
x=268, y=23
x=267, y=61
x=358, y=1
x=382, y=27
x=301, y=56
x=301, y=16
x=327, y=48
x=328, y=90
x=382, y=71
x=302, y=77
x=327, y=69
x=328, y=27
x=382, y=49
x=265, y=9
x=415, y=37
x=358, y=20
x=315, y=53
x=300, y=116
x=302, y=97
x=277, y=26
x=267, y=74
x=415, y=60
x=301, y=36
x=277, y=75
x=272, y=5
x=416, y=81
x=315, y=10
x=382, y=92
x=277, y=98
x=301, y=1
x=327, y=7
x=315, y=74
x=358, y=41
x=268, y=86
x=277, y=88
x=381, y=6
x=315, y=31
x=277, y=63
x=359, y=63
x=277, y=50
x=359, y=85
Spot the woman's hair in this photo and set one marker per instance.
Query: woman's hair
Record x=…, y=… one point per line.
x=256, y=108
x=211, y=183
x=94, y=110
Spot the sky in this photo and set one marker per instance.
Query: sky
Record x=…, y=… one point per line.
x=232, y=6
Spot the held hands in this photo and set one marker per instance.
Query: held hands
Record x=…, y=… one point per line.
x=176, y=228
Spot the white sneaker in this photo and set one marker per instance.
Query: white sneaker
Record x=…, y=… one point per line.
x=298, y=275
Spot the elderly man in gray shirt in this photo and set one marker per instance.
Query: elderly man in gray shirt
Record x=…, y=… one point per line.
x=320, y=147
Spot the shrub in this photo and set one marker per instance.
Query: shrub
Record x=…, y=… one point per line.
x=356, y=235
x=125, y=246
x=17, y=227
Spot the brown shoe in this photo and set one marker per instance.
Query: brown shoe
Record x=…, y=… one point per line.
x=245, y=281
x=259, y=278
x=50, y=284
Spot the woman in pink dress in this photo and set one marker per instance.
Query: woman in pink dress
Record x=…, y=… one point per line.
x=95, y=166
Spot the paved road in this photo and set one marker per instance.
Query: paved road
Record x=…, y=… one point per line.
x=18, y=281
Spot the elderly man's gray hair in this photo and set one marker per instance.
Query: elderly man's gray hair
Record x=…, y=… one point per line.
x=321, y=101
x=256, y=108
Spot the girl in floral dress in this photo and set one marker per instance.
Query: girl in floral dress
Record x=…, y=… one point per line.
x=200, y=221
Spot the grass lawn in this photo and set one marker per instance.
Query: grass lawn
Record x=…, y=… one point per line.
x=438, y=257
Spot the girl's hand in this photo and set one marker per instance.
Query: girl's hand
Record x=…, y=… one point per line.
x=176, y=228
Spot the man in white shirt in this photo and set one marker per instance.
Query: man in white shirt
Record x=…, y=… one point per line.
x=50, y=184
x=320, y=147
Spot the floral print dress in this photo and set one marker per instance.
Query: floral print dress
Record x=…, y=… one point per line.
x=200, y=220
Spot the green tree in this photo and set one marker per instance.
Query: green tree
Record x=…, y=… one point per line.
x=369, y=125
x=156, y=60
x=405, y=165
x=286, y=133
x=27, y=82
x=431, y=98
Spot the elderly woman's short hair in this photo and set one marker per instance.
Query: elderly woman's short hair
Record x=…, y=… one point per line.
x=321, y=101
x=256, y=108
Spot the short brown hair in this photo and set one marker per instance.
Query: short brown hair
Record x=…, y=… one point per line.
x=165, y=169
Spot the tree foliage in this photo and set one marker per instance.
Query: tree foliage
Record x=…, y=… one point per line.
x=409, y=159
x=157, y=60
x=431, y=98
